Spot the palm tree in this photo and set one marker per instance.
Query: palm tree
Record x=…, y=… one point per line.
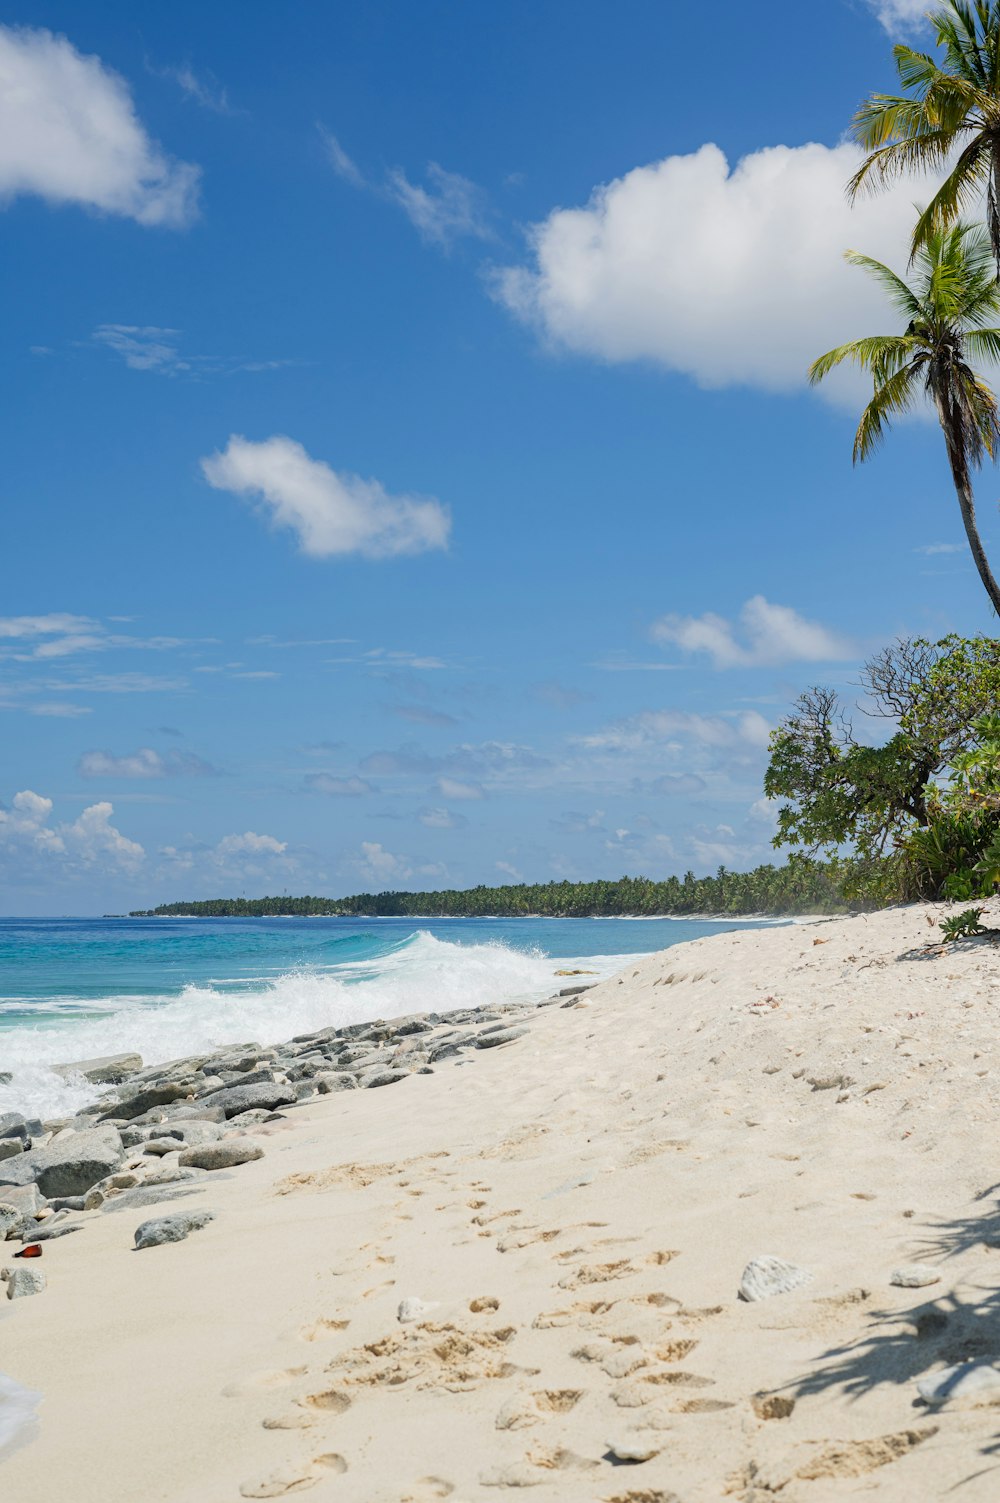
x=948, y=307
x=952, y=107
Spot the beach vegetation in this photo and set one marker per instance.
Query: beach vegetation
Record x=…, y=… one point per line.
x=964, y=925
x=949, y=306
x=947, y=119
x=919, y=810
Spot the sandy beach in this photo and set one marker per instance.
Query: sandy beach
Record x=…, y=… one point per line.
x=574, y=1211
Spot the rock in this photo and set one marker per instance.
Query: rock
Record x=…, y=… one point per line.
x=192, y=1134
x=967, y=1381
x=12, y=1222
x=22, y=1281
x=254, y=1117
x=236, y=1099
x=49, y=1230
x=146, y=1195
x=383, y=1077
x=6, y=1077
x=68, y=1166
x=172, y=1174
x=635, y=1446
x=225, y=1155
x=13, y=1125
x=915, y=1276
x=767, y=1276
x=157, y=1147
x=504, y=1036
x=328, y=1085
x=24, y=1198
x=171, y=1228
x=412, y=1309
x=574, y=991
x=10, y=1147
x=110, y=1069
x=142, y=1101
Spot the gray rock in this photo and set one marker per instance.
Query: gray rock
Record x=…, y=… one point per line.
x=766, y=1276
x=193, y=1112
x=235, y=1099
x=6, y=1077
x=254, y=1117
x=128, y=1108
x=915, y=1276
x=69, y=1202
x=10, y=1147
x=13, y=1125
x=504, y=1036
x=383, y=1077
x=146, y=1195
x=225, y=1155
x=110, y=1069
x=160, y=1146
x=968, y=1381
x=47, y=1231
x=12, y=1222
x=172, y=1174
x=24, y=1198
x=328, y=1085
x=22, y=1281
x=192, y=1134
x=171, y=1228
x=67, y=1166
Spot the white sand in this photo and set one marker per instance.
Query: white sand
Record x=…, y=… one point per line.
x=602, y=1182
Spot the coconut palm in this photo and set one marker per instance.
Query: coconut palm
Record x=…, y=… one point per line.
x=948, y=309
x=947, y=108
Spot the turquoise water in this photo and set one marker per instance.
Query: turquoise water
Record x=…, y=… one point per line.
x=74, y=988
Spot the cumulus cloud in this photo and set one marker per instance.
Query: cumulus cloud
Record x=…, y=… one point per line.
x=448, y=208
x=89, y=841
x=765, y=635
x=144, y=763
x=900, y=15
x=324, y=782
x=729, y=274
x=380, y=865
x=69, y=133
x=442, y=819
x=651, y=727
x=250, y=844
x=332, y=513
x=455, y=788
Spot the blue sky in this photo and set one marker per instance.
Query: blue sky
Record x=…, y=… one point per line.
x=409, y=477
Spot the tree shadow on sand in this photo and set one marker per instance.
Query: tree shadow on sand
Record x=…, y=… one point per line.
x=900, y=1346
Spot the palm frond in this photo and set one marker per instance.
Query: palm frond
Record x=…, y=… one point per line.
x=969, y=176
x=902, y=297
x=893, y=396
x=882, y=353
x=926, y=152
x=984, y=344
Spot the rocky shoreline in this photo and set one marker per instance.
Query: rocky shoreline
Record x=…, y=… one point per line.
x=161, y=1132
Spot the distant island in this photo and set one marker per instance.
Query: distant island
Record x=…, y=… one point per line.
x=801, y=886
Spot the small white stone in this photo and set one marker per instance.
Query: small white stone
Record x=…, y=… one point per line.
x=634, y=1446
x=915, y=1276
x=767, y=1276
x=411, y=1309
x=969, y=1380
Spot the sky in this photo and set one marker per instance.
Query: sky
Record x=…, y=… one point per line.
x=410, y=478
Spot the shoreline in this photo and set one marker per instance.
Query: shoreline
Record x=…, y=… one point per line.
x=572, y=1211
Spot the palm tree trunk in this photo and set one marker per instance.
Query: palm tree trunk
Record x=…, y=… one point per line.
x=958, y=460
x=968, y=509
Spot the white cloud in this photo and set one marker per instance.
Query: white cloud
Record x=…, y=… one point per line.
x=454, y=788
x=343, y=165
x=57, y=623
x=651, y=727
x=766, y=635
x=449, y=208
x=931, y=549
x=203, y=88
x=442, y=819
x=730, y=275
x=144, y=763
x=249, y=844
x=147, y=347
x=331, y=512
x=88, y=841
x=57, y=710
x=69, y=134
x=509, y=871
x=379, y=865
x=900, y=15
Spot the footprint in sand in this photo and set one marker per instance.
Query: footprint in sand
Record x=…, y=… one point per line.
x=320, y=1330
x=263, y=1381
x=295, y=1479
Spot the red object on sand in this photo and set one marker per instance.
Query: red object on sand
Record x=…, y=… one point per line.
x=33, y=1250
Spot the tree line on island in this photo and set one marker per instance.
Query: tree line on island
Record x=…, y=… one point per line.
x=801, y=886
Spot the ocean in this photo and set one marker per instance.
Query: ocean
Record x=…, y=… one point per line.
x=75, y=988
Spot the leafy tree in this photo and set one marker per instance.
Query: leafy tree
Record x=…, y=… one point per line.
x=887, y=799
x=948, y=308
x=946, y=107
